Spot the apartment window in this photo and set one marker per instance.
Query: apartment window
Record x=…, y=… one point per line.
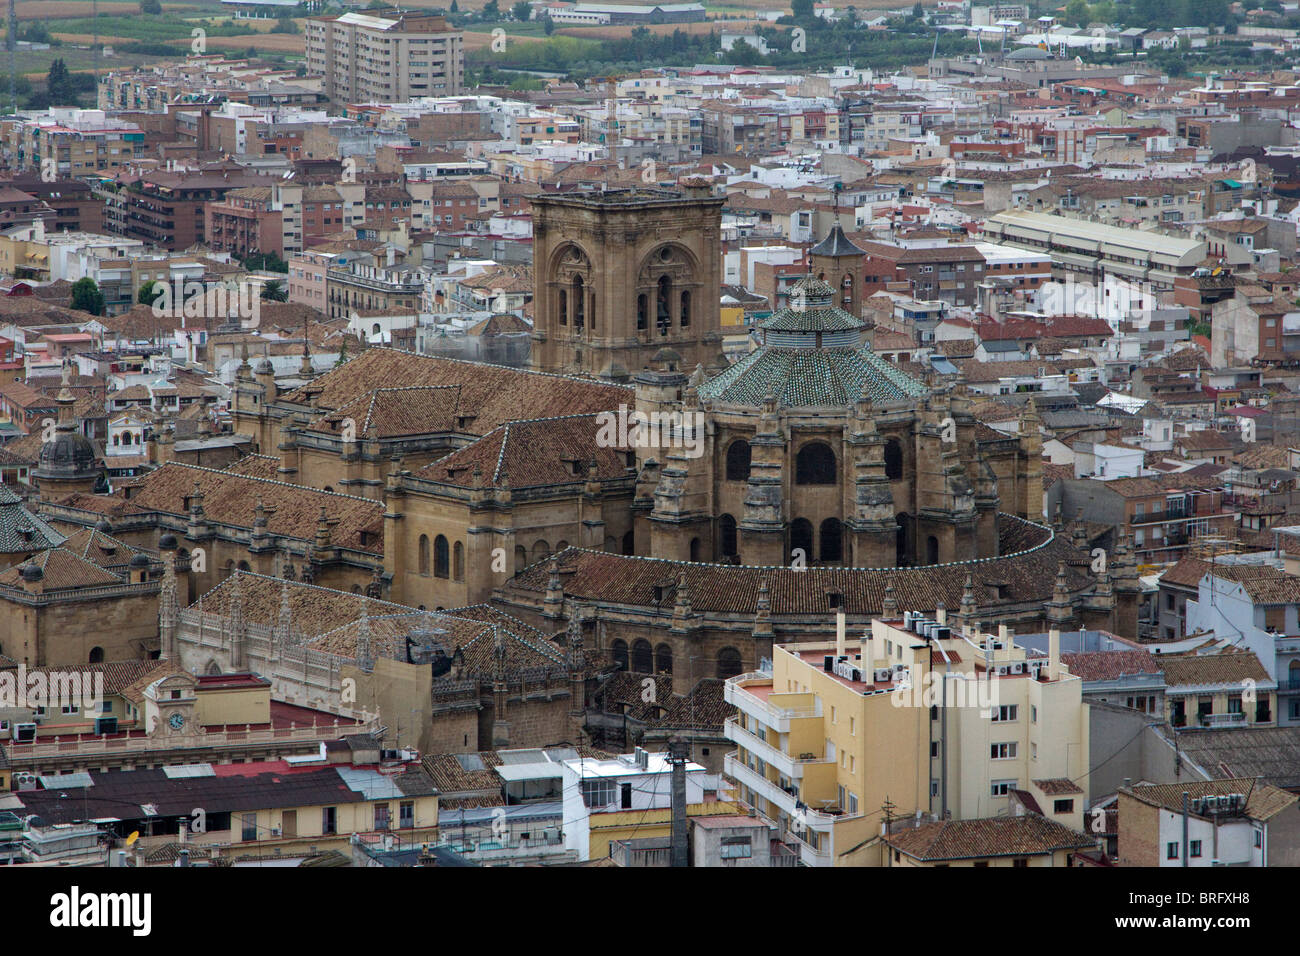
x=1006, y=712
x=934, y=788
x=853, y=803
x=737, y=848
x=1234, y=704
x=1033, y=751
x=598, y=793
x=381, y=816
x=1171, y=850
x=69, y=708
x=1000, y=788
x=833, y=720
x=248, y=826
x=934, y=748
x=1259, y=839
x=852, y=728
x=1002, y=751
x=406, y=815
x=1033, y=713
x=1063, y=806
x=1194, y=849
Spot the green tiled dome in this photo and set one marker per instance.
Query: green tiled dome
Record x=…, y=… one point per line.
x=805, y=377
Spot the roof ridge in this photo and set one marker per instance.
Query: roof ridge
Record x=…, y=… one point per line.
x=269, y=481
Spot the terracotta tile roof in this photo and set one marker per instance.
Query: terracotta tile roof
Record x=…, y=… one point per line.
x=1025, y=571
x=1199, y=670
x=543, y=451
x=1030, y=835
x=118, y=675
x=63, y=570
x=231, y=499
x=1263, y=801
x=1264, y=585
x=1057, y=786
x=1186, y=573
x=492, y=394
x=703, y=709
x=1111, y=665
x=255, y=466
x=396, y=412
x=100, y=548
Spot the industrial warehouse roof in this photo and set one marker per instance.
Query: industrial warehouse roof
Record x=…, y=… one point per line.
x=1084, y=231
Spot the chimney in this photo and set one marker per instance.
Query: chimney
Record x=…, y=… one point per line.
x=1053, y=654
x=678, y=750
x=840, y=649
x=941, y=614
x=868, y=659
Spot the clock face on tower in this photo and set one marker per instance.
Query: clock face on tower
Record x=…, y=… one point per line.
x=177, y=721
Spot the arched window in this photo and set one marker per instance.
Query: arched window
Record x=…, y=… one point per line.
x=629, y=542
x=832, y=541
x=685, y=319
x=458, y=561
x=424, y=555
x=893, y=459
x=663, y=659
x=97, y=655
x=579, y=303
x=441, y=558
x=642, y=313
x=560, y=546
x=931, y=550
x=375, y=329
x=738, y=458
x=695, y=549
x=801, y=538
x=814, y=465
x=727, y=536
x=728, y=663
x=642, y=658
x=664, y=317
x=564, y=307
x=244, y=566
x=618, y=650
x=541, y=550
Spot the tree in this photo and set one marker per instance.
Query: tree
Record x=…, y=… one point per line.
x=918, y=12
x=274, y=291
x=454, y=7
x=491, y=11
x=58, y=83
x=1077, y=13
x=803, y=9
x=151, y=7
x=548, y=25
x=86, y=296
x=284, y=25
x=522, y=11
x=149, y=292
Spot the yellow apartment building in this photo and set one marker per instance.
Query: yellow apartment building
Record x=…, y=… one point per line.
x=915, y=717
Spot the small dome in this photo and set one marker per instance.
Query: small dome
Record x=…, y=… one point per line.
x=168, y=543
x=70, y=455
x=667, y=357
x=140, y=561
x=103, y=525
x=263, y=367
x=32, y=572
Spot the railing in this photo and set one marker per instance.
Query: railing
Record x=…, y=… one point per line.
x=1222, y=720
x=788, y=765
x=20, y=752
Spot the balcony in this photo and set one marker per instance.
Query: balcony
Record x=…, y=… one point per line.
x=787, y=765
x=751, y=693
x=1213, y=721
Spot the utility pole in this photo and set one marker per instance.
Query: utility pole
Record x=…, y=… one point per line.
x=678, y=750
x=1184, y=828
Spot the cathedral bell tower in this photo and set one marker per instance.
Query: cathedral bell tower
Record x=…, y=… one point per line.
x=620, y=274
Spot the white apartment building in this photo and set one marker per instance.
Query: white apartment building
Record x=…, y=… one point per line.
x=371, y=59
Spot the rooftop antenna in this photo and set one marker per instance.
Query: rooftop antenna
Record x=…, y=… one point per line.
x=11, y=41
